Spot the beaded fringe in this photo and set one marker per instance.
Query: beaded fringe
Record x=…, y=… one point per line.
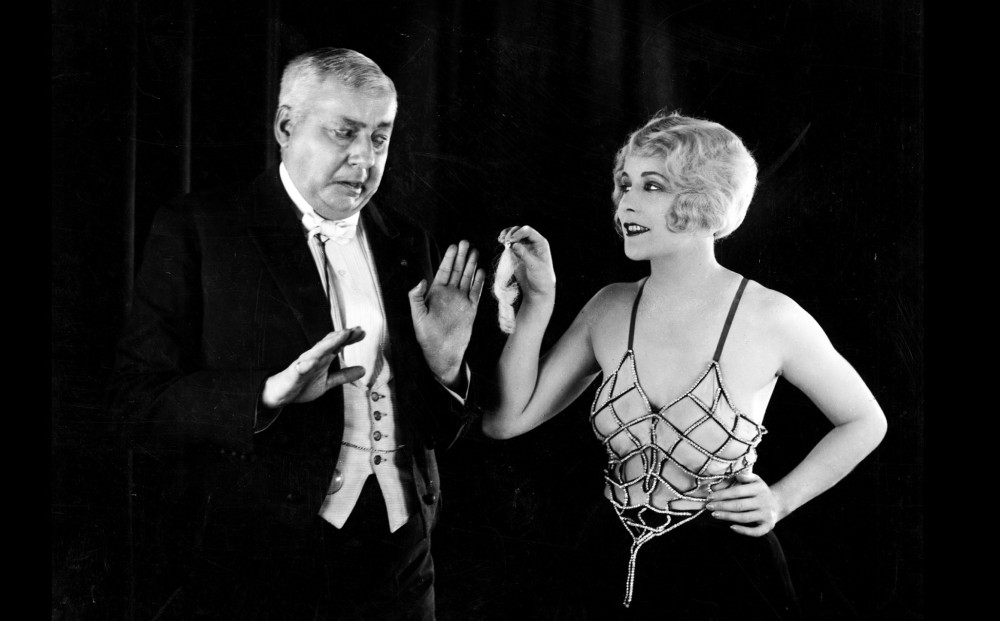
x=629, y=584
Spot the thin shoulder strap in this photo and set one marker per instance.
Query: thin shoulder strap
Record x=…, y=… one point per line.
x=729, y=319
x=635, y=308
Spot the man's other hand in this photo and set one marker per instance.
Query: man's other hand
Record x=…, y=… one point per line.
x=309, y=377
x=443, y=313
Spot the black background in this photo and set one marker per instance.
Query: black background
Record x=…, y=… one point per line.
x=510, y=113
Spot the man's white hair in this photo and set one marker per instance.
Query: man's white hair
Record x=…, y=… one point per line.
x=306, y=72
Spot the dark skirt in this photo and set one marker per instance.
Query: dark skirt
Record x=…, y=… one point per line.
x=701, y=570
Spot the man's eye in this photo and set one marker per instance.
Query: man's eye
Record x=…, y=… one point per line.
x=346, y=134
x=380, y=141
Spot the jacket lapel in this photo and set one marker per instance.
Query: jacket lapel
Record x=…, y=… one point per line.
x=276, y=228
x=400, y=267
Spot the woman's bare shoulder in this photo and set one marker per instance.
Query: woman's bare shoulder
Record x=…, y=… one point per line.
x=774, y=310
x=610, y=301
x=614, y=295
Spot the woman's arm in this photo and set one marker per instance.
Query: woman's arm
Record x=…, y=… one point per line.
x=532, y=389
x=810, y=363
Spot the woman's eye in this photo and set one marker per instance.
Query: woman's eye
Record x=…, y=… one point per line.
x=624, y=187
x=652, y=187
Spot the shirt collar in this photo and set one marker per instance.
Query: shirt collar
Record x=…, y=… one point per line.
x=309, y=215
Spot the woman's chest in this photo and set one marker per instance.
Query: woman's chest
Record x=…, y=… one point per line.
x=679, y=371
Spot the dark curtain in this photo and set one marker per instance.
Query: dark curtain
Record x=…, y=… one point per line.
x=510, y=113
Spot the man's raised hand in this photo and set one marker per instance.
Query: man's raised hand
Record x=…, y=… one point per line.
x=444, y=311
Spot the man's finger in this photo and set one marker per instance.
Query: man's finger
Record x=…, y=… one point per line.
x=458, y=267
x=444, y=269
x=477, y=287
x=302, y=366
x=309, y=362
x=335, y=341
x=344, y=376
x=470, y=270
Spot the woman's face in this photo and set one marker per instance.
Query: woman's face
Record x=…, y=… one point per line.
x=644, y=208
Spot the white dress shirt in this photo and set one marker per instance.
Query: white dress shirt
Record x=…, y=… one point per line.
x=370, y=444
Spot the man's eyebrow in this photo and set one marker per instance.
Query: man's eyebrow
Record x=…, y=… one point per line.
x=354, y=123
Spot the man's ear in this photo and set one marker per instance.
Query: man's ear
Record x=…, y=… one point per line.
x=283, y=124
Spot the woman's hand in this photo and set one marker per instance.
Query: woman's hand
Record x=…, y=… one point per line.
x=534, y=272
x=749, y=501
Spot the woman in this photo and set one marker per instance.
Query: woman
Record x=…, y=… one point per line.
x=689, y=358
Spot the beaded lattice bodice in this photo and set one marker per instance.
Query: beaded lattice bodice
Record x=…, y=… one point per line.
x=663, y=462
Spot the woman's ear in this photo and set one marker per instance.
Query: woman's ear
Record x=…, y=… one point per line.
x=283, y=124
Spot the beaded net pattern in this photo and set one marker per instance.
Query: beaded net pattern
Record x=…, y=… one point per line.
x=663, y=462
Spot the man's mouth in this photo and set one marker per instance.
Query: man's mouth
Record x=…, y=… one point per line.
x=631, y=230
x=354, y=186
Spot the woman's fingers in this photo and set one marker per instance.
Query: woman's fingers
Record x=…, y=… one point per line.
x=738, y=504
x=524, y=234
x=744, y=517
x=505, y=233
x=752, y=531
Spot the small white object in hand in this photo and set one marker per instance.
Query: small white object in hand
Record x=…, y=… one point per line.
x=506, y=289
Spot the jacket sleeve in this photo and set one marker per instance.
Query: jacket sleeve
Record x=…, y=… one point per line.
x=161, y=389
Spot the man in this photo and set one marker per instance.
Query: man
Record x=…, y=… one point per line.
x=274, y=350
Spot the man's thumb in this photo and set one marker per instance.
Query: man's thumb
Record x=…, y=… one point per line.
x=416, y=295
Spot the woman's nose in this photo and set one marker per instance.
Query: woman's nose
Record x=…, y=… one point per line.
x=624, y=205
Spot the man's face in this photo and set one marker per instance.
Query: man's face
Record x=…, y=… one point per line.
x=335, y=150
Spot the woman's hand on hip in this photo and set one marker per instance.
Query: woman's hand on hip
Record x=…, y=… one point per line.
x=750, y=503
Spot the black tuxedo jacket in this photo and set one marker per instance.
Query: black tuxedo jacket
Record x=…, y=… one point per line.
x=227, y=295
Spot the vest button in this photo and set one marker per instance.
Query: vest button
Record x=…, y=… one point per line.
x=377, y=435
x=338, y=481
x=378, y=459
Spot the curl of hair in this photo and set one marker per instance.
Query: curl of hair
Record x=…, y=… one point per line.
x=505, y=289
x=712, y=174
x=307, y=72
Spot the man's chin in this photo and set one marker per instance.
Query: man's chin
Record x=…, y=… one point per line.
x=341, y=207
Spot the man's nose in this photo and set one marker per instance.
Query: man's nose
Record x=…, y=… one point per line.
x=362, y=152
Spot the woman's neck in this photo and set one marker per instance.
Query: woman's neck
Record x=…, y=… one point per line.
x=685, y=273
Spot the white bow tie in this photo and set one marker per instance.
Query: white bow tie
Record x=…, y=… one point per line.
x=339, y=231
